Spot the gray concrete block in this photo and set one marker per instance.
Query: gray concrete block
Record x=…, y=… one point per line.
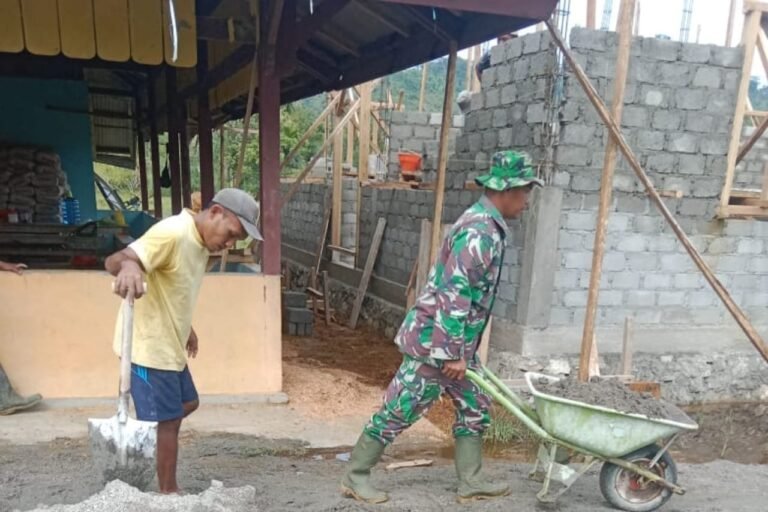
x=691, y=99
x=618, y=223
x=614, y=261
x=484, y=119
x=759, y=265
x=585, y=182
x=626, y=280
x=750, y=246
x=688, y=281
x=531, y=42
x=542, y=64
x=581, y=221
x=676, y=263
x=521, y=69
x=676, y=75
x=400, y=131
x=577, y=134
x=675, y=298
x=634, y=116
x=536, y=113
x=476, y=101
x=659, y=49
x=682, y=143
x=503, y=74
x=654, y=97
x=458, y=120
x=575, y=298
x=665, y=120
x=721, y=102
x=708, y=76
x=640, y=298
x=522, y=136
x=514, y=48
x=653, y=281
x=588, y=39
x=490, y=140
x=646, y=223
x=435, y=119
x=572, y=155
x=609, y=298
x=695, y=53
x=661, y=162
x=298, y=315
x=508, y=94
x=425, y=132
x=714, y=146
x=633, y=243
x=738, y=228
x=642, y=262
x=699, y=122
x=727, y=57
x=722, y=245
x=475, y=141
x=505, y=137
x=733, y=263
x=731, y=79
x=691, y=164
x=561, y=179
x=417, y=117
x=497, y=55
x=654, y=140
x=492, y=97
x=578, y=260
x=399, y=117
x=499, y=119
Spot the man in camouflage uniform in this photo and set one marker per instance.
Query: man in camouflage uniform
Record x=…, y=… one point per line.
x=440, y=335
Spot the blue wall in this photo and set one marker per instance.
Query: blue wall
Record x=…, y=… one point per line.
x=25, y=119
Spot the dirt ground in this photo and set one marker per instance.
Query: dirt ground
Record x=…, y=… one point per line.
x=337, y=372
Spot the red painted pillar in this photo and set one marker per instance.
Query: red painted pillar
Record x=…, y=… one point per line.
x=269, y=151
x=204, y=133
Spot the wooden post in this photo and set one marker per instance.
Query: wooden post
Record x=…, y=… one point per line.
x=626, y=348
x=337, y=181
x=142, y=157
x=222, y=159
x=629, y=155
x=470, y=68
x=749, y=39
x=764, y=189
x=269, y=149
x=350, y=157
x=186, y=173
x=606, y=185
x=423, y=87
x=731, y=21
x=378, y=234
x=759, y=131
x=636, y=30
x=311, y=130
x=475, y=80
x=204, y=129
x=173, y=138
x=442, y=156
x=154, y=148
x=365, y=132
x=247, y=124
x=326, y=298
x=762, y=49
x=592, y=14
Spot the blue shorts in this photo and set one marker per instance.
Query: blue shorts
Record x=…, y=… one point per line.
x=158, y=395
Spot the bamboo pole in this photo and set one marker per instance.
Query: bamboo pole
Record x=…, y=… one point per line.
x=442, y=158
x=629, y=155
x=304, y=138
x=337, y=182
x=423, y=88
x=592, y=14
x=624, y=29
x=751, y=26
x=731, y=20
x=295, y=185
x=247, y=120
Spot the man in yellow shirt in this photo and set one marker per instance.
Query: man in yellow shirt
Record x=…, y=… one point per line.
x=171, y=257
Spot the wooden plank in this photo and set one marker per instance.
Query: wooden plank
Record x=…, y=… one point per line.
x=626, y=11
x=337, y=181
x=41, y=27
x=113, y=38
x=186, y=23
x=12, y=34
x=762, y=49
x=365, y=131
x=615, y=132
x=751, y=26
x=146, y=31
x=367, y=271
x=764, y=190
x=423, y=87
x=442, y=156
x=350, y=156
x=754, y=113
x=409, y=464
x=326, y=298
x=310, y=131
x=759, y=131
x=78, y=37
x=300, y=178
x=626, y=346
x=422, y=260
x=344, y=250
x=754, y=5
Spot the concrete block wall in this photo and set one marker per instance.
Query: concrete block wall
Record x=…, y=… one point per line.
x=302, y=217
x=678, y=108
x=419, y=132
x=749, y=172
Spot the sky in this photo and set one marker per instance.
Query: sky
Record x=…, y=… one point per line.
x=664, y=17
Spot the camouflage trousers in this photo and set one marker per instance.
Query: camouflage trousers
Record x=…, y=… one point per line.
x=414, y=389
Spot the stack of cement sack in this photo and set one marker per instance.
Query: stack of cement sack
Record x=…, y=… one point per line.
x=31, y=183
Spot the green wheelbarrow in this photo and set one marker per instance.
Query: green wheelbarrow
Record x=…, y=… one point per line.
x=638, y=472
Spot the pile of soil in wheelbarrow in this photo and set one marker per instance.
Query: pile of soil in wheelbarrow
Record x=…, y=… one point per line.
x=613, y=395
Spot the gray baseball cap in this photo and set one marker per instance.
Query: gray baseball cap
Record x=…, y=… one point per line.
x=244, y=206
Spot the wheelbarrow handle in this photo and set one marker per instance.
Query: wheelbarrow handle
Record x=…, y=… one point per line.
x=125, y=360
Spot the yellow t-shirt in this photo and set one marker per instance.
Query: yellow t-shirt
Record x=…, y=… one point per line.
x=174, y=259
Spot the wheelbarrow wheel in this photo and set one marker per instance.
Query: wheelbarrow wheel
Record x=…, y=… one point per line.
x=626, y=490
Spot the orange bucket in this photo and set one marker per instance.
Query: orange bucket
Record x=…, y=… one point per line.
x=409, y=162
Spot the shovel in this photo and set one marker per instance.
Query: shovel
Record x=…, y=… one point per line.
x=123, y=448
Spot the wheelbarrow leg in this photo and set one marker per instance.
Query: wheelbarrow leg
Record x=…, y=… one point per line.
x=559, y=472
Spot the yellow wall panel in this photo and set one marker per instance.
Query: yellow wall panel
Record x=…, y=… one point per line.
x=78, y=35
x=113, y=40
x=146, y=19
x=11, y=32
x=41, y=26
x=187, y=30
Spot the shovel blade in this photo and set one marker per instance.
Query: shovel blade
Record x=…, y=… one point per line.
x=124, y=451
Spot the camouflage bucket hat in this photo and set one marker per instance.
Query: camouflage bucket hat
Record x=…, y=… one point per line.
x=509, y=169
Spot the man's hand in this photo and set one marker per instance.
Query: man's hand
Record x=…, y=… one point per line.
x=129, y=282
x=192, y=344
x=16, y=268
x=455, y=370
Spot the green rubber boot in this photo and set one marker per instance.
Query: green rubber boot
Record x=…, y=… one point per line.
x=356, y=482
x=10, y=400
x=473, y=486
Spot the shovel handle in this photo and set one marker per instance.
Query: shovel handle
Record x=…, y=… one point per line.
x=125, y=360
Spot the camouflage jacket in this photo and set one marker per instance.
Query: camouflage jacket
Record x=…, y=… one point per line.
x=448, y=318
